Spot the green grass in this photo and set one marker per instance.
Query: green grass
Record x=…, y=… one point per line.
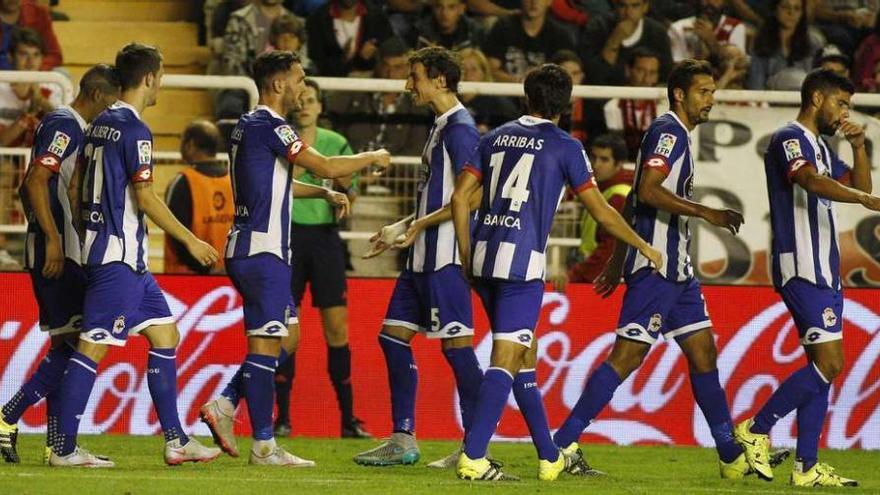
x=633, y=470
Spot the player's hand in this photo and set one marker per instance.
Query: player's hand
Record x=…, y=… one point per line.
x=340, y=202
x=870, y=202
x=54, y=265
x=385, y=238
x=704, y=29
x=728, y=219
x=409, y=237
x=655, y=256
x=202, y=252
x=853, y=132
x=381, y=161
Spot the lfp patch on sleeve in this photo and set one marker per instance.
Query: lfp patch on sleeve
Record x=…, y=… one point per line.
x=665, y=144
x=59, y=144
x=792, y=149
x=286, y=134
x=145, y=152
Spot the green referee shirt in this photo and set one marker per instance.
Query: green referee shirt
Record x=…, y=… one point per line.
x=313, y=211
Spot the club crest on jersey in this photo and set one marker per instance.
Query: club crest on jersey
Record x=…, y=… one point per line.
x=665, y=144
x=792, y=149
x=286, y=135
x=829, y=318
x=119, y=324
x=145, y=152
x=59, y=143
x=655, y=323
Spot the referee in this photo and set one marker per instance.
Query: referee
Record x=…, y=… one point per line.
x=319, y=259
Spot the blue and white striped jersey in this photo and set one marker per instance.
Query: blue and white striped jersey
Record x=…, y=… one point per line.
x=57, y=143
x=804, y=240
x=117, y=153
x=451, y=143
x=524, y=167
x=665, y=147
x=262, y=149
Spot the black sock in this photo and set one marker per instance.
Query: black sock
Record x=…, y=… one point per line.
x=283, y=383
x=339, y=367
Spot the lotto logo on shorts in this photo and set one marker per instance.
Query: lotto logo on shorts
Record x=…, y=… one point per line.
x=274, y=329
x=633, y=332
x=525, y=338
x=98, y=336
x=813, y=336
x=829, y=318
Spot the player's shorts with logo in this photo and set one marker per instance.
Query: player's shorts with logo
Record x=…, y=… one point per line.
x=437, y=304
x=513, y=308
x=817, y=311
x=263, y=281
x=120, y=302
x=654, y=305
x=60, y=299
x=318, y=258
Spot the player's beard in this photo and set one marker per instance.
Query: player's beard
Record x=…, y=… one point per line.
x=825, y=125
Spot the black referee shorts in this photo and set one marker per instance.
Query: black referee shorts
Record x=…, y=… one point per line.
x=318, y=258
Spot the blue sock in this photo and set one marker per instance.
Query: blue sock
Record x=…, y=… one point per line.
x=490, y=405
x=810, y=418
x=76, y=387
x=53, y=401
x=468, y=377
x=162, y=382
x=234, y=390
x=528, y=398
x=403, y=380
x=258, y=373
x=795, y=391
x=713, y=402
x=598, y=392
x=39, y=385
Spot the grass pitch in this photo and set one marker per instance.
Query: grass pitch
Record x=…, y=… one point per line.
x=632, y=470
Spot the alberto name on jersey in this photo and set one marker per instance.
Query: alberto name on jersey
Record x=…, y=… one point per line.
x=117, y=153
x=804, y=243
x=451, y=143
x=666, y=147
x=524, y=167
x=261, y=150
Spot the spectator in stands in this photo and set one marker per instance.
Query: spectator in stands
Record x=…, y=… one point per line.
x=607, y=155
x=574, y=119
x=344, y=36
x=26, y=14
x=576, y=13
x=382, y=120
x=830, y=57
x=22, y=105
x=731, y=68
x=610, y=39
x=497, y=8
x=632, y=117
x=217, y=13
x=702, y=36
x=866, y=59
x=488, y=111
x=447, y=26
x=288, y=32
x=668, y=11
x=319, y=258
x=518, y=43
x=783, y=49
x=200, y=197
x=846, y=22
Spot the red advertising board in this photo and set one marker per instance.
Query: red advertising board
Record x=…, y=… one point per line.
x=757, y=343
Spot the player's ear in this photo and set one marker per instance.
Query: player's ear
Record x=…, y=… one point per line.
x=149, y=79
x=678, y=93
x=817, y=98
x=277, y=85
x=441, y=82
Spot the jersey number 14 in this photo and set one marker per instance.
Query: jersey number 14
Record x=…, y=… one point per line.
x=516, y=186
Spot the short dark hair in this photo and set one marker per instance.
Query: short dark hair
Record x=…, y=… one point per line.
x=683, y=74
x=640, y=52
x=25, y=36
x=271, y=63
x=823, y=80
x=203, y=134
x=288, y=24
x=314, y=85
x=613, y=141
x=565, y=55
x=548, y=90
x=394, y=46
x=439, y=62
x=134, y=61
x=102, y=78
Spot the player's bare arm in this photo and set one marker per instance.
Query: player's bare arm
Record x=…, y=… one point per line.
x=37, y=185
x=652, y=193
x=74, y=189
x=150, y=203
x=465, y=185
x=341, y=166
x=607, y=281
x=825, y=187
x=336, y=199
x=860, y=175
x=436, y=217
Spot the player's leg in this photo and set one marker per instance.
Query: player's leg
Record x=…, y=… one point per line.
x=335, y=323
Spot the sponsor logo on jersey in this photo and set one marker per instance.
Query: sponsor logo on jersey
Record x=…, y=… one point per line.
x=792, y=149
x=656, y=162
x=144, y=174
x=665, y=144
x=145, y=152
x=286, y=134
x=50, y=162
x=59, y=144
x=828, y=317
x=800, y=162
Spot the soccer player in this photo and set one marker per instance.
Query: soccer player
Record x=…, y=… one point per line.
x=52, y=250
x=804, y=180
x=122, y=297
x=522, y=169
x=431, y=295
x=263, y=150
x=667, y=301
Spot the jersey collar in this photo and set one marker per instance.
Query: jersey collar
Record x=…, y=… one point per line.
x=674, y=116
x=808, y=132
x=81, y=121
x=530, y=120
x=443, y=118
x=271, y=112
x=122, y=104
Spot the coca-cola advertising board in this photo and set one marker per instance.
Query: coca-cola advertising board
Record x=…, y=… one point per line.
x=757, y=344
